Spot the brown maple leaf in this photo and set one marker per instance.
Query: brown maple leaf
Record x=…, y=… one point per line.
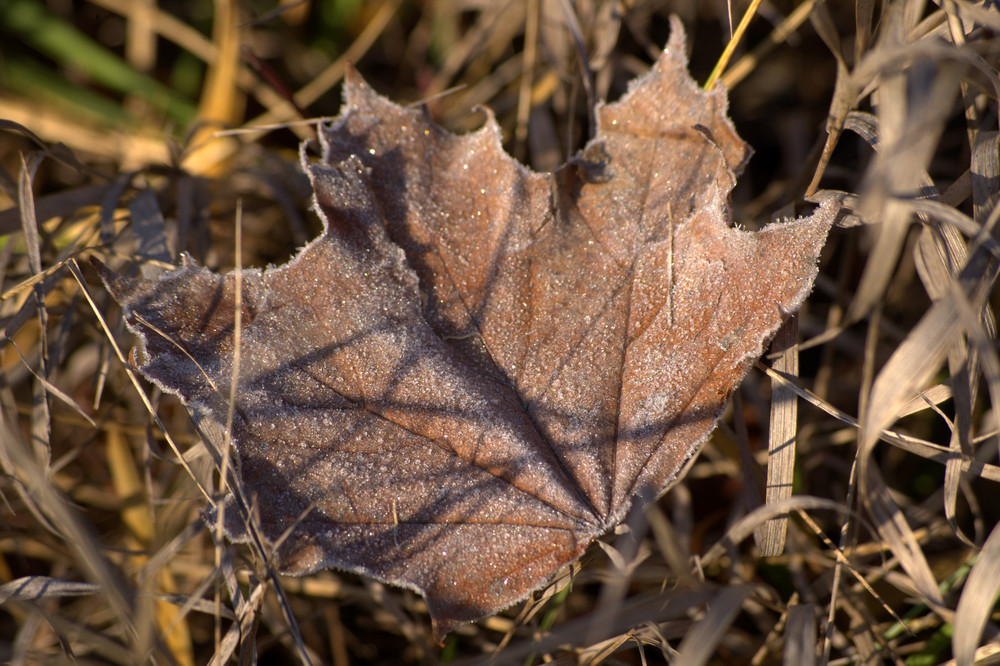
x=470, y=374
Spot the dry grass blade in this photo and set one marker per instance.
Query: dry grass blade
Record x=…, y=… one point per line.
x=149, y=228
x=843, y=100
x=977, y=601
x=937, y=453
x=910, y=367
x=701, y=640
x=745, y=65
x=896, y=532
x=781, y=443
x=946, y=215
x=334, y=73
x=938, y=258
x=137, y=515
x=41, y=417
x=986, y=173
x=671, y=605
x=727, y=53
x=35, y=588
x=745, y=526
x=84, y=639
x=52, y=388
x=222, y=101
x=906, y=137
x=75, y=270
x=800, y=635
x=47, y=207
x=21, y=464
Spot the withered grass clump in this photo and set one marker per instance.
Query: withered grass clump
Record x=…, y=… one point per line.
x=843, y=513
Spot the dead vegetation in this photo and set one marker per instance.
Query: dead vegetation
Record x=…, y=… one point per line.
x=889, y=553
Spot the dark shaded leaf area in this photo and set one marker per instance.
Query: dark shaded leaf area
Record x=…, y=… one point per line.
x=470, y=374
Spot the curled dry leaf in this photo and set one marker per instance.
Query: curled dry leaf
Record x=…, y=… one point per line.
x=470, y=374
